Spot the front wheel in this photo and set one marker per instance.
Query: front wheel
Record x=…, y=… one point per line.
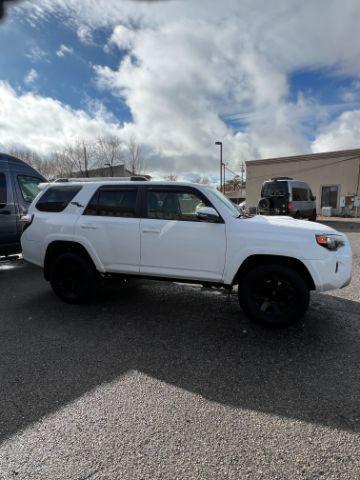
x=274, y=295
x=72, y=278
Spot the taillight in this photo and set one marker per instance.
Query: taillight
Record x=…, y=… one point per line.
x=290, y=206
x=26, y=221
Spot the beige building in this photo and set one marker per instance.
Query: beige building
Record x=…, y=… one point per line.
x=333, y=177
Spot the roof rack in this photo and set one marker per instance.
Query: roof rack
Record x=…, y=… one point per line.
x=134, y=178
x=275, y=179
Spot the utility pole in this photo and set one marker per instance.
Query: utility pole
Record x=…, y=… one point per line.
x=242, y=180
x=221, y=163
x=85, y=162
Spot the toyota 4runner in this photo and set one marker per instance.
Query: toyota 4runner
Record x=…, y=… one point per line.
x=81, y=231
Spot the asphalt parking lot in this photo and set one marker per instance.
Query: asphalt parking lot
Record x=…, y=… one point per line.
x=169, y=381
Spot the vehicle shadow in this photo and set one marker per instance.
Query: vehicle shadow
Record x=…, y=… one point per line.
x=194, y=338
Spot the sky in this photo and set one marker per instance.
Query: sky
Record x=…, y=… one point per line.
x=267, y=79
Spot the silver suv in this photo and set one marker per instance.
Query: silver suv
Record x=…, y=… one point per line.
x=285, y=196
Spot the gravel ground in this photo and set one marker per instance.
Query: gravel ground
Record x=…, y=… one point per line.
x=168, y=381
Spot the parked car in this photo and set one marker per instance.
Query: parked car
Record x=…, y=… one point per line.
x=79, y=232
x=18, y=188
x=285, y=196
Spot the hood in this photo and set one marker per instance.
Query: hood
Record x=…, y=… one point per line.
x=289, y=222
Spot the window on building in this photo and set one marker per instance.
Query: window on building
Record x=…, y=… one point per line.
x=173, y=205
x=329, y=196
x=3, y=193
x=299, y=194
x=56, y=199
x=115, y=203
x=29, y=187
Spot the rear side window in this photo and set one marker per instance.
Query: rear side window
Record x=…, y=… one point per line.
x=299, y=194
x=112, y=202
x=3, y=195
x=274, y=189
x=56, y=199
x=28, y=187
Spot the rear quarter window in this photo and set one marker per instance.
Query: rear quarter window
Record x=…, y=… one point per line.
x=56, y=199
x=3, y=195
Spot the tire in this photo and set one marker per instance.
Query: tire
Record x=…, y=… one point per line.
x=72, y=277
x=313, y=217
x=273, y=295
x=297, y=216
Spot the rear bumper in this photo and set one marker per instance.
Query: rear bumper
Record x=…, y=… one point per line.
x=332, y=273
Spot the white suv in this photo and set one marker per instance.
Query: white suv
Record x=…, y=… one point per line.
x=80, y=231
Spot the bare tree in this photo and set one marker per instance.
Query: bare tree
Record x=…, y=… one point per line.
x=203, y=180
x=171, y=177
x=81, y=156
x=109, y=151
x=134, y=163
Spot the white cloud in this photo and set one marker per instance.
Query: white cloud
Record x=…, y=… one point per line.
x=31, y=76
x=64, y=50
x=85, y=34
x=36, y=54
x=188, y=65
x=342, y=133
x=44, y=124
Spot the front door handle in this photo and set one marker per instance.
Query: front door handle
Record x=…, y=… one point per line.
x=88, y=226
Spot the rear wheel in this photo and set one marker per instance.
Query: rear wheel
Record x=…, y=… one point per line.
x=313, y=216
x=72, y=278
x=274, y=295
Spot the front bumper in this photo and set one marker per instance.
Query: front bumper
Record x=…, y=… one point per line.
x=332, y=272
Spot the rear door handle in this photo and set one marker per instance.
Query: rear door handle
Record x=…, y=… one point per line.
x=88, y=226
x=150, y=230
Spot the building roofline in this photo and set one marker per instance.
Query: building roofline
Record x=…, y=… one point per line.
x=306, y=157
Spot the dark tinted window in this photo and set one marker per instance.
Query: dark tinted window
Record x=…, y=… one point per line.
x=29, y=187
x=299, y=194
x=56, y=199
x=274, y=189
x=172, y=205
x=115, y=203
x=3, y=196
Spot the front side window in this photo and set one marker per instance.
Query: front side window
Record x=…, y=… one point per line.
x=299, y=194
x=116, y=203
x=173, y=205
x=3, y=195
x=56, y=199
x=29, y=187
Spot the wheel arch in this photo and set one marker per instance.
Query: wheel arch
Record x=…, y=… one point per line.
x=256, y=260
x=58, y=247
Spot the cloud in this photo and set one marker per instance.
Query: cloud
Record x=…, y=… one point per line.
x=31, y=76
x=195, y=72
x=36, y=54
x=341, y=134
x=44, y=124
x=64, y=50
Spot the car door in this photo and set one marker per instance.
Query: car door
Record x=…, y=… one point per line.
x=174, y=242
x=111, y=226
x=8, y=212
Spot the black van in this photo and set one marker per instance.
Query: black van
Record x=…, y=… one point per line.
x=18, y=187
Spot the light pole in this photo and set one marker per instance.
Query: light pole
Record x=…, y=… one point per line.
x=221, y=163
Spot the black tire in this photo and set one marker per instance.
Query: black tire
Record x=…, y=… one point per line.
x=313, y=217
x=273, y=295
x=72, y=277
x=297, y=216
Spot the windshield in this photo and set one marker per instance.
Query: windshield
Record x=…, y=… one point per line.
x=230, y=207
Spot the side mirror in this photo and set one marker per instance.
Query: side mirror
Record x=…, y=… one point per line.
x=313, y=198
x=207, y=214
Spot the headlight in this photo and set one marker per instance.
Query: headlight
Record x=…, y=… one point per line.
x=331, y=242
